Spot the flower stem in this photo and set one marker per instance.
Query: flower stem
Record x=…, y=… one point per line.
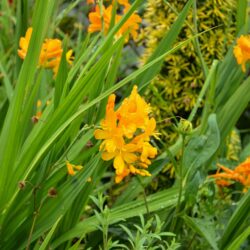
x=180, y=173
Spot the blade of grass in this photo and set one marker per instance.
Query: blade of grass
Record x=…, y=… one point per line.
x=239, y=216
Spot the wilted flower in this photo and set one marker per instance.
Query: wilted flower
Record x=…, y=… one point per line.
x=126, y=134
x=242, y=51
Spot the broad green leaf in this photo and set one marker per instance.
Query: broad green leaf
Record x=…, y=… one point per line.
x=48, y=237
x=200, y=226
x=241, y=17
x=229, y=114
x=201, y=148
x=236, y=244
x=240, y=215
x=10, y=136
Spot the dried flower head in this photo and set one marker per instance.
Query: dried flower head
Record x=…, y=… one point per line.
x=52, y=192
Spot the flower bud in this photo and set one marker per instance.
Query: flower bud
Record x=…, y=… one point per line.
x=185, y=126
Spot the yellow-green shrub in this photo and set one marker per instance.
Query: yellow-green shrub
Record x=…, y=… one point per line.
x=175, y=89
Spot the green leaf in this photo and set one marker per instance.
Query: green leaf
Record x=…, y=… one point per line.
x=229, y=114
x=61, y=78
x=241, y=17
x=235, y=245
x=161, y=200
x=201, y=227
x=6, y=82
x=201, y=148
x=48, y=237
x=240, y=215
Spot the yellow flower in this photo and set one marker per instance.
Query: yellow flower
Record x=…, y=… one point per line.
x=51, y=52
x=24, y=44
x=242, y=51
x=71, y=168
x=126, y=134
x=100, y=22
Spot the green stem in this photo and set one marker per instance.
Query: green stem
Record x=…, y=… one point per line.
x=196, y=42
x=144, y=195
x=36, y=213
x=209, y=81
x=180, y=177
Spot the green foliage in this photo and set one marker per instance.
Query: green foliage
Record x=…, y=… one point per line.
x=42, y=206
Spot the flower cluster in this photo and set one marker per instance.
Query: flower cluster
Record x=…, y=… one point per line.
x=101, y=21
x=242, y=51
x=51, y=52
x=126, y=133
x=240, y=174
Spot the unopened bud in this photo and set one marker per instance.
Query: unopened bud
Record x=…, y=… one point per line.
x=185, y=126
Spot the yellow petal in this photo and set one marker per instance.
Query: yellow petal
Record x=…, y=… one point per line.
x=119, y=164
x=100, y=134
x=107, y=156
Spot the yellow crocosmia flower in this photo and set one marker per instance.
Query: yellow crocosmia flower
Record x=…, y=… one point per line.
x=126, y=135
x=110, y=132
x=100, y=22
x=242, y=51
x=120, y=177
x=52, y=48
x=133, y=113
x=71, y=168
x=24, y=43
x=96, y=21
x=51, y=52
x=132, y=24
x=147, y=151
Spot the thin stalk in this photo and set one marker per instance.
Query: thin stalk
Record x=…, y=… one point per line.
x=180, y=176
x=196, y=42
x=144, y=195
x=210, y=99
x=36, y=213
x=204, y=90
